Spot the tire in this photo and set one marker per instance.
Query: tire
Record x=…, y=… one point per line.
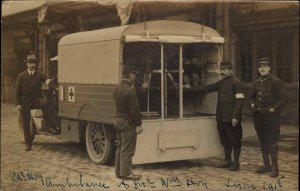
x=99, y=147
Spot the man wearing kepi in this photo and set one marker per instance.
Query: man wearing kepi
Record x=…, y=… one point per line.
x=229, y=114
x=127, y=123
x=29, y=95
x=267, y=101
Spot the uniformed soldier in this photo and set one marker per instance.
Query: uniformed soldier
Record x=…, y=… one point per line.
x=29, y=96
x=267, y=101
x=229, y=114
x=127, y=123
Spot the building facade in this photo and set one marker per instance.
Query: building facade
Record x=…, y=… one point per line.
x=251, y=30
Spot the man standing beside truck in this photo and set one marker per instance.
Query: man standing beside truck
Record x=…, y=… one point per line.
x=128, y=121
x=29, y=95
x=229, y=113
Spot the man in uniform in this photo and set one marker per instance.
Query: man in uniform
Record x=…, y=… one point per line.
x=28, y=95
x=127, y=123
x=267, y=101
x=229, y=114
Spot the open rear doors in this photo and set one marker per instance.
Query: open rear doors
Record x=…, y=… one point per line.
x=170, y=68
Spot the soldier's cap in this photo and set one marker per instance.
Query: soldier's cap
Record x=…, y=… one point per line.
x=128, y=69
x=226, y=64
x=265, y=60
x=31, y=58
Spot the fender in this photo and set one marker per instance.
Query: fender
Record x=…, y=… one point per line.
x=110, y=132
x=84, y=107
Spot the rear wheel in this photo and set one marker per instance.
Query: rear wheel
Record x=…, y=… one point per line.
x=99, y=147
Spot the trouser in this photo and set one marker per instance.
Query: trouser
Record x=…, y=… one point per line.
x=267, y=128
x=50, y=115
x=231, y=139
x=24, y=122
x=126, y=138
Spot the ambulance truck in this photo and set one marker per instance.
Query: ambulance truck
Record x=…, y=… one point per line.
x=170, y=57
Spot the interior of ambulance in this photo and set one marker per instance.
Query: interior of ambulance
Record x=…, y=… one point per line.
x=159, y=90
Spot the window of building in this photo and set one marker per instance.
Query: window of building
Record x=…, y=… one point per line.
x=284, y=57
x=279, y=46
x=264, y=45
x=246, y=62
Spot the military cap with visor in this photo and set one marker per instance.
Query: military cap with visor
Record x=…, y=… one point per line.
x=226, y=64
x=266, y=61
x=128, y=69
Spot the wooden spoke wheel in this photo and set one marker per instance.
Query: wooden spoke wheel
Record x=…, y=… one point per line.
x=99, y=147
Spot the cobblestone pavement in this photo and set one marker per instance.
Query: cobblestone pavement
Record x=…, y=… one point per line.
x=56, y=164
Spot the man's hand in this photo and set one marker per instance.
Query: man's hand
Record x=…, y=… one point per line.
x=187, y=86
x=145, y=85
x=271, y=110
x=234, y=122
x=48, y=81
x=252, y=105
x=19, y=107
x=139, y=129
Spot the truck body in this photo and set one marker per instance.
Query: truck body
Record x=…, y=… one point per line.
x=169, y=55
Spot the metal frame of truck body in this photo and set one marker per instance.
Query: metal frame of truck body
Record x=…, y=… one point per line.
x=85, y=92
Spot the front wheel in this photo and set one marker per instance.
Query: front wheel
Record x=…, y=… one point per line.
x=99, y=147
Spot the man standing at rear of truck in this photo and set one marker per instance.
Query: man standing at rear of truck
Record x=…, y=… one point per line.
x=229, y=114
x=128, y=123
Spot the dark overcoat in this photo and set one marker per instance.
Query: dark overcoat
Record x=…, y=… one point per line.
x=28, y=89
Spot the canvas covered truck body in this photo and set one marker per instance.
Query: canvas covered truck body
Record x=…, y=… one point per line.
x=169, y=55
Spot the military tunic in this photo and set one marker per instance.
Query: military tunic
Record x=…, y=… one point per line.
x=229, y=105
x=268, y=92
x=127, y=118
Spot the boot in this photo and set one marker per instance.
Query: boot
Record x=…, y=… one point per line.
x=227, y=161
x=274, y=159
x=131, y=177
x=27, y=148
x=263, y=169
x=224, y=164
x=236, y=162
x=267, y=166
